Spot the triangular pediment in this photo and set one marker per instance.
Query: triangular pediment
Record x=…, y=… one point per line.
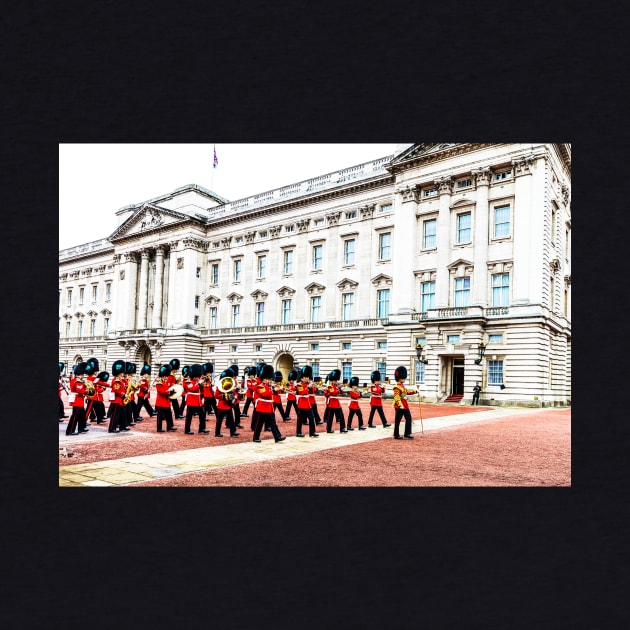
x=234, y=297
x=346, y=283
x=381, y=280
x=420, y=150
x=146, y=218
x=259, y=295
x=284, y=291
x=314, y=287
x=460, y=261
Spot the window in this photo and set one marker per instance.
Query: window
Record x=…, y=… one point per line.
x=216, y=244
x=237, y=270
x=347, y=303
x=317, y=256
x=236, y=311
x=348, y=252
x=500, y=289
x=382, y=303
x=315, y=368
x=318, y=222
x=213, y=317
x=260, y=313
x=429, y=231
x=496, y=338
x=501, y=221
x=427, y=296
x=92, y=328
x=286, y=311
x=351, y=215
x=258, y=347
x=196, y=320
x=106, y=326
x=68, y=329
x=94, y=293
x=452, y=338
x=386, y=207
x=315, y=346
x=288, y=261
x=346, y=370
x=552, y=293
x=553, y=226
x=108, y=291
x=462, y=291
x=463, y=228
x=420, y=372
x=198, y=272
x=566, y=302
x=262, y=266
x=385, y=246
x=382, y=368
x=464, y=183
x=316, y=304
x=495, y=372
x=234, y=348
x=69, y=298
x=289, y=228
x=80, y=328
x=210, y=349
x=81, y=295
x=346, y=345
x=431, y=192
x=263, y=234
x=196, y=301
x=381, y=345
x=214, y=272
x=502, y=175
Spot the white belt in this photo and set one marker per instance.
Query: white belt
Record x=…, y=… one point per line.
x=303, y=395
x=333, y=397
x=262, y=400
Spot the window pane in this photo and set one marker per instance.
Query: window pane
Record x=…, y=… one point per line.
x=288, y=262
x=428, y=296
x=502, y=221
x=348, y=248
x=495, y=372
x=385, y=246
x=348, y=300
x=260, y=313
x=346, y=370
x=286, y=311
x=382, y=368
x=420, y=371
x=315, y=308
x=463, y=228
x=500, y=289
x=429, y=238
x=317, y=257
x=462, y=291
x=383, y=303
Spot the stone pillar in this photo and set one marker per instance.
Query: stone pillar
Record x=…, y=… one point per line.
x=143, y=289
x=480, y=251
x=130, y=297
x=173, y=292
x=442, y=285
x=158, y=298
x=116, y=322
x=333, y=253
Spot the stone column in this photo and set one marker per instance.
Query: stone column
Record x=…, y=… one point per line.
x=158, y=298
x=481, y=235
x=173, y=298
x=442, y=285
x=143, y=289
x=116, y=322
x=130, y=279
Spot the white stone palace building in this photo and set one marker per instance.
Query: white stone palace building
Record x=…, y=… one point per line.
x=440, y=248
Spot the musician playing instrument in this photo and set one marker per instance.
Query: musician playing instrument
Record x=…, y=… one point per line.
x=355, y=394
x=100, y=383
x=143, y=393
x=163, y=390
x=78, y=420
x=225, y=407
x=192, y=387
x=400, y=403
x=209, y=401
x=277, y=392
x=90, y=375
x=332, y=393
x=376, y=400
x=291, y=399
x=250, y=383
x=264, y=406
x=129, y=400
x=117, y=420
x=236, y=391
x=174, y=378
x=303, y=391
x=253, y=382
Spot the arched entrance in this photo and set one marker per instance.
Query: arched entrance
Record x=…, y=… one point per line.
x=284, y=364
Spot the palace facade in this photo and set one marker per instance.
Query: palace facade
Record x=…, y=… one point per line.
x=450, y=259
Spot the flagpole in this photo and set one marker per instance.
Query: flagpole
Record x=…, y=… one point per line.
x=212, y=172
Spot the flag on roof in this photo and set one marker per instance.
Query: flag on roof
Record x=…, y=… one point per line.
x=215, y=163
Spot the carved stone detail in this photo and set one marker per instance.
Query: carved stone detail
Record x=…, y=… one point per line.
x=333, y=218
x=367, y=212
x=409, y=193
x=482, y=176
x=150, y=219
x=195, y=243
x=314, y=289
x=302, y=224
x=212, y=300
x=554, y=264
x=567, y=281
x=522, y=165
x=381, y=280
x=226, y=240
x=122, y=274
x=346, y=283
x=116, y=258
x=444, y=185
x=250, y=236
x=234, y=298
x=565, y=194
x=130, y=257
x=180, y=263
x=274, y=231
x=285, y=291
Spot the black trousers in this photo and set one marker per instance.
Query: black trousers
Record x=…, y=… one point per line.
x=278, y=406
x=351, y=415
x=62, y=412
x=475, y=399
x=190, y=412
x=237, y=412
x=266, y=419
x=116, y=416
x=164, y=414
x=291, y=404
x=248, y=402
x=99, y=409
x=210, y=405
x=176, y=410
x=335, y=412
x=228, y=416
x=78, y=420
x=381, y=413
x=144, y=403
x=318, y=420
x=400, y=414
x=306, y=416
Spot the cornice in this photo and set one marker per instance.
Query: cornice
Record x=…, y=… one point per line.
x=435, y=156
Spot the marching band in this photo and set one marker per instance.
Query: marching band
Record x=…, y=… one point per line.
x=204, y=395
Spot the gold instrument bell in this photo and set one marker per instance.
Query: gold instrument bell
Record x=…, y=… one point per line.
x=226, y=384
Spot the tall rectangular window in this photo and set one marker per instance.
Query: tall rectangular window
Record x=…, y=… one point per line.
x=68, y=329
x=81, y=295
x=213, y=317
x=316, y=306
x=237, y=270
x=382, y=299
x=94, y=293
x=288, y=261
x=429, y=231
x=236, y=312
x=495, y=372
x=381, y=366
x=462, y=291
x=428, y=296
x=553, y=225
x=348, y=252
x=92, y=328
x=214, y=273
x=196, y=301
x=501, y=221
x=464, y=230
x=196, y=320
x=346, y=370
x=315, y=368
x=262, y=266
x=420, y=372
x=286, y=311
x=552, y=293
x=347, y=304
x=198, y=272
x=500, y=289
x=385, y=246
x=80, y=328
x=69, y=298
x=106, y=326
x=317, y=256
x=260, y=313
x=108, y=291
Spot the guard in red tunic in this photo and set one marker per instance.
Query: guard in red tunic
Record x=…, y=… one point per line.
x=173, y=379
x=313, y=403
x=400, y=403
x=264, y=405
x=376, y=400
x=251, y=383
x=303, y=392
x=192, y=387
x=277, y=393
x=333, y=393
x=101, y=385
x=78, y=420
x=291, y=399
x=143, y=393
x=237, y=391
x=355, y=394
x=117, y=420
x=209, y=401
x=162, y=401
x=225, y=407
x=91, y=369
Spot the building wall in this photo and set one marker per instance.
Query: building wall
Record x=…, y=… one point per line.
x=362, y=205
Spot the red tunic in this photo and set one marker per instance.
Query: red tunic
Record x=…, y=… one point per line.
x=119, y=387
x=252, y=383
x=162, y=388
x=400, y=396
x=377, y=392
x=143, y=390
x=263, y=399
x=221, y=402
x=277, y=390
x=193, y=393
x=291, y=390
x=207, y=387
x=78, y=388
x=332, y=393
x=355, y=394
x=302, y=391
x=100, y=387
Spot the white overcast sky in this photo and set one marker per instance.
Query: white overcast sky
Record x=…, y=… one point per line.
x=96, y=180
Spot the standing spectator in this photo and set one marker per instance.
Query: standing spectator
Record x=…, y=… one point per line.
x=476, y=392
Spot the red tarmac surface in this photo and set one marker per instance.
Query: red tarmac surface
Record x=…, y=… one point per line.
x=532, y=449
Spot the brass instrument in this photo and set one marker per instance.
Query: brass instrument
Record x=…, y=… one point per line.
x=132, y=388
x=90, y=390
x=226, y=386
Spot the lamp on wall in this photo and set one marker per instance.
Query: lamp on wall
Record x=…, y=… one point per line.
x=419, y=350
x=482, y=351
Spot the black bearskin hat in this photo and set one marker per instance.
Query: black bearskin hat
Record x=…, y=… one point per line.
x=79, y=368
x=208, y=368
x=195, y=370
x=307, y=371
x=293, y=375
x=401, y=372
x=61, y=366
x=234, y=369
x=93, y=361
x=354, y=381
x=174, y=363
x=267, y=371
x=103, y=376
x=277, y=377
x=375, y=376
x=146, y=369
x=165, y=370
x=335, y=375
x=228, y=372
x=259, y=369
x=90, y=368
x=185, y=370
x=118, y=367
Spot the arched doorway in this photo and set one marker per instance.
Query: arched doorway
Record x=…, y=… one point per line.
x=284, y=364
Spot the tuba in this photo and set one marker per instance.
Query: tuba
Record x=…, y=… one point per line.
x=90, y=390
x=226, y=387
